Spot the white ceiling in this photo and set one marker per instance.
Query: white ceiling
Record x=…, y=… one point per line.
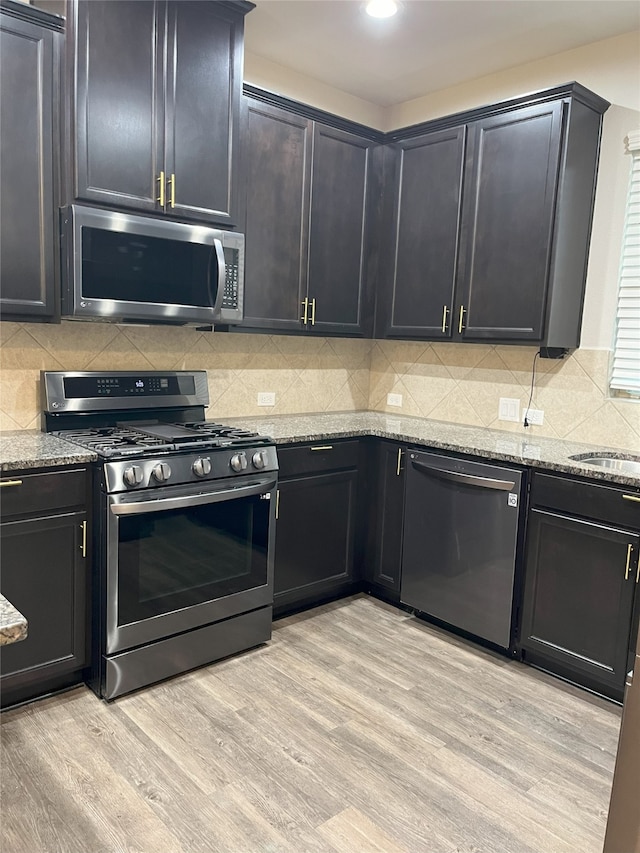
x=430, y=44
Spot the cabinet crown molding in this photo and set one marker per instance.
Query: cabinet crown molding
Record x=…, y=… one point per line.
x=573, y=90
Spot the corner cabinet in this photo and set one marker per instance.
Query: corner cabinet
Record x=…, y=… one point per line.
x=310, y=193
x=317, y=523
x=30, y=42
x=45, y=552
x=491, y=219
x=154, y=91
x=581, y=578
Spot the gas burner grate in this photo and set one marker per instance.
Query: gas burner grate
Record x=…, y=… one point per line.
x=112, y=442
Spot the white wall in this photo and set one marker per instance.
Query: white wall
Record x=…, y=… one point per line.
x=276, y=78
x=609, y=67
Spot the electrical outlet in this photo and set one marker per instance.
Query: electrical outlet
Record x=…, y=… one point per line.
x=535, y=417
x=394, y=399
x=266, y=398
x=509, y=409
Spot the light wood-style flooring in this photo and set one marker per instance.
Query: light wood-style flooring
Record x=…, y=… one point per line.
x=358, y=729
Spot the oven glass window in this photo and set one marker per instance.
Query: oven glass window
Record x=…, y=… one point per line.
x=180, y=558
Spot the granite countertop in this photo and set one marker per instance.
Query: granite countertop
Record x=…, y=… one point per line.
x=30, y=448
x=523, y=449
x=13, y=625
x=24, y=449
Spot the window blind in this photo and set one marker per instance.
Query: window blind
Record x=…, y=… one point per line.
x=625, y=374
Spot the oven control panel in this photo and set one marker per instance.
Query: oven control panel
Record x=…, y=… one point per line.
x=176, y=469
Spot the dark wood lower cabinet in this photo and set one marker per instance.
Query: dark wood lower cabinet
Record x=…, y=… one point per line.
x=317, y=525
x=580, y=582
x=382, y=564
x=44, y=551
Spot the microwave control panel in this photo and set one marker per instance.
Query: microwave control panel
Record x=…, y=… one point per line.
x=230, y=297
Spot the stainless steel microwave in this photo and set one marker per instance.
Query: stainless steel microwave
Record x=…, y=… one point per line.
x=121, y=268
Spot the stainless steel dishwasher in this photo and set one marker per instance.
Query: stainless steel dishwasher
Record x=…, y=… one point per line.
x=462, y=521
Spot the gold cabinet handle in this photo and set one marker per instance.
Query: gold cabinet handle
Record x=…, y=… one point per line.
x=445, y=311
x=322, y=447
x=4, y=483
x=398, y=468
x=460, y=318
x=172, y=196
x=635, y=498
x=277, y=503
x=305, y=316
x=161, y=198
x=313, y=312
x=626, y=571
x=83, y=547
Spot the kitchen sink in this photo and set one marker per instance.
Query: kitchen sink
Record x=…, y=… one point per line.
x=624, y=464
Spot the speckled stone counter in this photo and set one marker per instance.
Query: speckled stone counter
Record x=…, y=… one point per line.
x=13, y=625
x=30, y=448
x=523, y=449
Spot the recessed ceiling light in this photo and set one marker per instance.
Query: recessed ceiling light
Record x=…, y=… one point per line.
x=381, y=8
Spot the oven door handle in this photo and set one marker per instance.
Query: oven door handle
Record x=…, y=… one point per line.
x=137, y=506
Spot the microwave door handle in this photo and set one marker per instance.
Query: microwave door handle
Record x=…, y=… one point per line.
x=222, y=275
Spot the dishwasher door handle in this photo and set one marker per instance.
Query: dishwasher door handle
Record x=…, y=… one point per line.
x=467, y=479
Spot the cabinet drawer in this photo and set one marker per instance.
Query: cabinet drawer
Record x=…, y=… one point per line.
x=38, y=493
x=319, y=456
x=590, y=500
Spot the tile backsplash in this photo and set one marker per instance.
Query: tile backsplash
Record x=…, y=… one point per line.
x=461, y=383
x=306, y=374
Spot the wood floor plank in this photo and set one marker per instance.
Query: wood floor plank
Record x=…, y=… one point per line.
x=351, y=830
x=37, y=813
x=83, y=779
x=358, y=729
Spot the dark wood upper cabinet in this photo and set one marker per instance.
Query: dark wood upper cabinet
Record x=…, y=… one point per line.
x=277, y=171
x=154, y=98
x=309, y=193
x=30, y=42
x=338, y=239
x=118, y=105
x=508, y=222
x=491, y=234
x=204, y=84
x=426, y=173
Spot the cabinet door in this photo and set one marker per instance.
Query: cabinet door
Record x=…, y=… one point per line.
x=580, y=579
x=508, y=217
x=338, y=232
x=427, y=201
x=277, y=164
x=44, y=576
x=314, y=536
x=204, y=80
x=118, y=106
x=28, y=201
x=387, y=512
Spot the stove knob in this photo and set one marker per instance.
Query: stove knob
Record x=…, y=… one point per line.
x=259, y=459
x=161, y=472
x=238, y=461
x=132, y=475
x=202, y=467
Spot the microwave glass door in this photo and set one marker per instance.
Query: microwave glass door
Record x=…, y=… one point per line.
x=129, y=267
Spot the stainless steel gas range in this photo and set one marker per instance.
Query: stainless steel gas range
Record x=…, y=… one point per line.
x=182, y=528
